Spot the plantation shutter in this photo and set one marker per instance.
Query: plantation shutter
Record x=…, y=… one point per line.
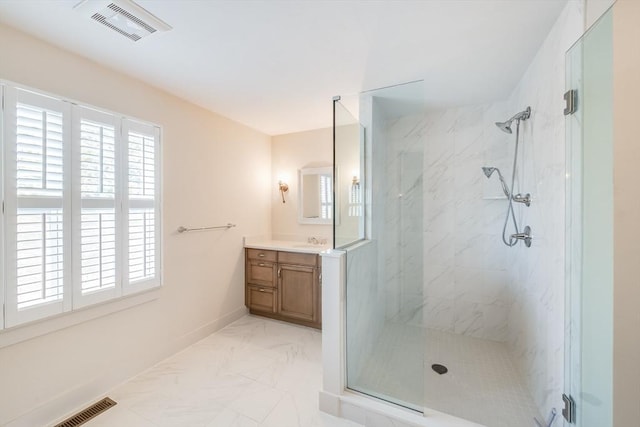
x=37, y=206
x=326, y=193
x=97, y=213
x=142, y=206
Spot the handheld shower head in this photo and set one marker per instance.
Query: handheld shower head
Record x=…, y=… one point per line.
x=522, y=115
x=488, y=171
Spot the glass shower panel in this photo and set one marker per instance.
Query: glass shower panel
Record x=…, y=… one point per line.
x=385, y=332
x=348, y=143
x=589, y=343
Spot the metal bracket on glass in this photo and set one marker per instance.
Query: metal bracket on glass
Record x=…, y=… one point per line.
x=571, y=100
x=569, y=411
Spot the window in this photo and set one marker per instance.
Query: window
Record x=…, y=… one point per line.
x=326, y=193
x=81, y=206
x=355, y=199
x=142, y=203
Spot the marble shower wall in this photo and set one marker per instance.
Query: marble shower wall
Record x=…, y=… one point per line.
x=401, y=232
x=445, y=218
x=536, y=320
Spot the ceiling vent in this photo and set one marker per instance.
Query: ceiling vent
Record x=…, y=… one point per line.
x=124, y=17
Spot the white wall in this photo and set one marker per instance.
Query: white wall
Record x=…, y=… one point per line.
x=214, y=171
x=536, y=319
x=290, y=153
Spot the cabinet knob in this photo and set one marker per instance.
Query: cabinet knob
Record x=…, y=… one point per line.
x=261, y=264
x=261, y=289
x=261, y=255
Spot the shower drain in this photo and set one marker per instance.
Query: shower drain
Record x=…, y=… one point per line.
x=440, y=369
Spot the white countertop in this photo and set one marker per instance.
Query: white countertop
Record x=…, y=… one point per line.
x=288, y=246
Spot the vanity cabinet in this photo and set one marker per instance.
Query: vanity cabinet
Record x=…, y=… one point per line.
x=284, y=285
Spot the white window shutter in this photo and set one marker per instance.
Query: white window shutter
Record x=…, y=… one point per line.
x=37, y=206
x=96, y=207
x=141, y=203
x=326, y=193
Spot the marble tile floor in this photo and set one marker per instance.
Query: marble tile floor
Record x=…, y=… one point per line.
x=254, y=372
x=482, y=384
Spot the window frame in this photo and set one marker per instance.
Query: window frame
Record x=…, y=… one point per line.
x=16, y=327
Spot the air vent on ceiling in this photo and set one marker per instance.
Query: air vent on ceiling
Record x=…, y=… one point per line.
x=123, y=16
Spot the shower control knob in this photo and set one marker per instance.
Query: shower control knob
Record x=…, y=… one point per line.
x=525, y=236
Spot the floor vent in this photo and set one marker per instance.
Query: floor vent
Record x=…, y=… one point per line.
x=88, y=413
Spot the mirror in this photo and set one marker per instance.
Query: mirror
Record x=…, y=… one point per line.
x=315, y=201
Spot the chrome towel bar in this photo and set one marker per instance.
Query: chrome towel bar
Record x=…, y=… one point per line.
x=183, y=229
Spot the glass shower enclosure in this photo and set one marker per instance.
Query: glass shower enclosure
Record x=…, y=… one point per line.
x=435, y=305
x=589, y=239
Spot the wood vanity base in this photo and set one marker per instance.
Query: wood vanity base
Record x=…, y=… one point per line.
x=284, y=286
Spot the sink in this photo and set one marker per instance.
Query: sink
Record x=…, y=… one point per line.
x=307, y=246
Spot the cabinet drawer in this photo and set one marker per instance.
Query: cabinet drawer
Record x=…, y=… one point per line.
x=261, y=298
x=261, y=272
x=261, y=254
x=296, y=258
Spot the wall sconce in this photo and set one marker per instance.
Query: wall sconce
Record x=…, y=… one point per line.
x=283, y=189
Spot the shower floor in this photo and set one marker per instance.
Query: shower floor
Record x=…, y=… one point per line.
x=482, y=384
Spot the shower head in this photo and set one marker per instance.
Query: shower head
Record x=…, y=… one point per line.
x=488, y=171
x=522, y=115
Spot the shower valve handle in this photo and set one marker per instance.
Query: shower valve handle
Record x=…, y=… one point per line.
x=526, y=236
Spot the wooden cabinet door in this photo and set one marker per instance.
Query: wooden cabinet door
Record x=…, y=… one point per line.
x=298, y=292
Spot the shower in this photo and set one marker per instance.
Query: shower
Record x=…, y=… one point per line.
x=524, y=235
x=522, y=115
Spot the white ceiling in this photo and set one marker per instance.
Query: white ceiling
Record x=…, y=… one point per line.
x=275, y=65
